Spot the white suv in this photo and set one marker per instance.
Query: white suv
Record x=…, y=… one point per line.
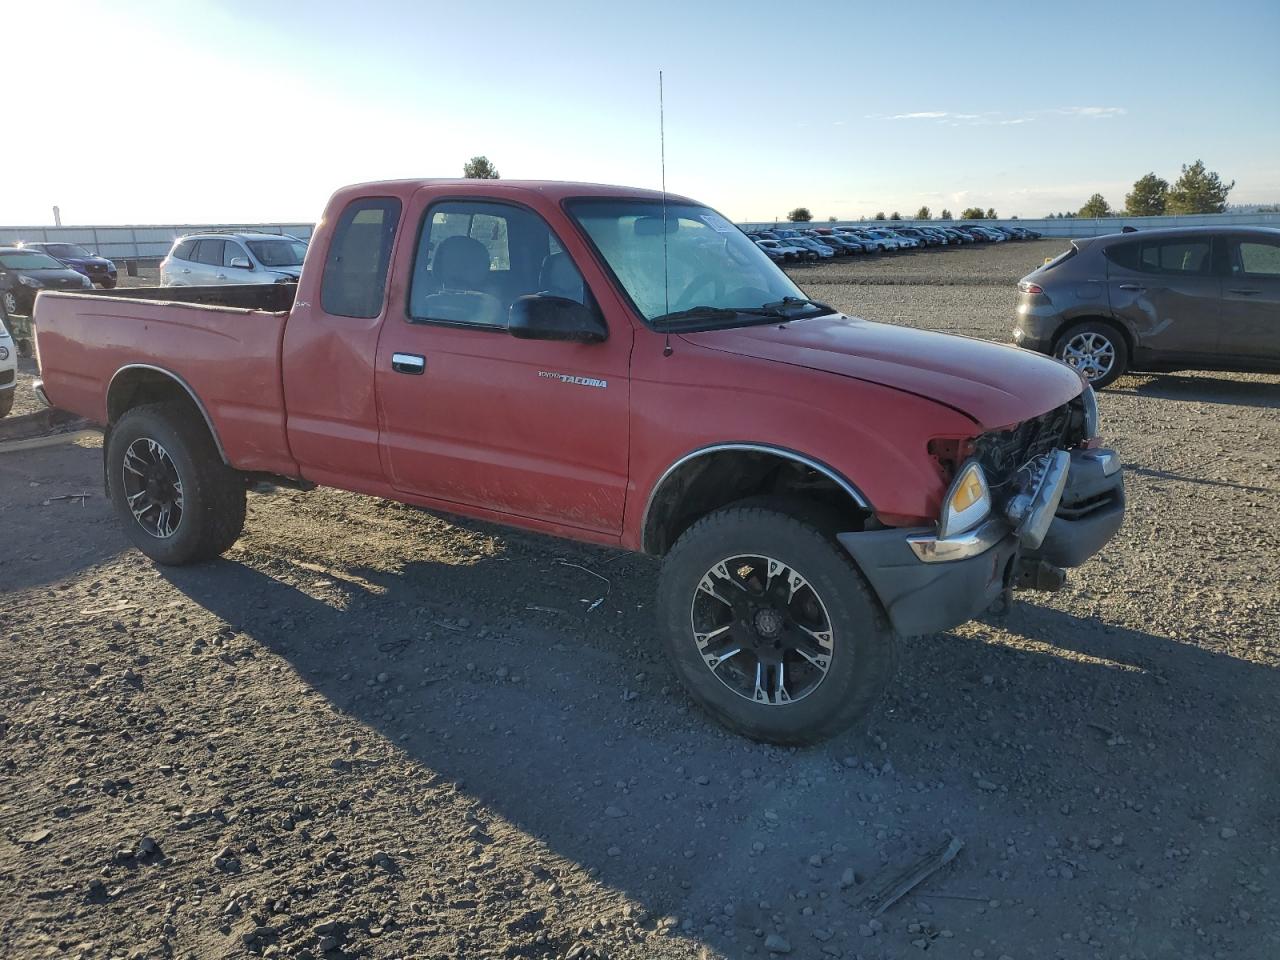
x=8, y=366
x=211, y=259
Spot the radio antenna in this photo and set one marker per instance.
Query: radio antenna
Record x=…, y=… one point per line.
x=666, y=282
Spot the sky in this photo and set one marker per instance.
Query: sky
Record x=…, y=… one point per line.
x=135, y=111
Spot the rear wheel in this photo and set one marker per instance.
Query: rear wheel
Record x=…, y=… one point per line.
x=770, y=626
x=178, y=501
x=1096, y=349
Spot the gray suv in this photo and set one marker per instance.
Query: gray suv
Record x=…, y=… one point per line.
x=1194, y=298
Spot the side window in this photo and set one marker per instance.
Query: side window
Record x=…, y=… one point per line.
x=1256, y=258
x=1190, y=256
x=231, y=251
x=1122, y=254
x=184, y=250
x=355, y=269
x=209, y=251
x=476, y=258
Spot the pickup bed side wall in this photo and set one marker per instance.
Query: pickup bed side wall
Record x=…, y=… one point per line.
x=230, y=358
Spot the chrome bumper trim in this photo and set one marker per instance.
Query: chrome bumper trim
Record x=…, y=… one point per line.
x=980, y=539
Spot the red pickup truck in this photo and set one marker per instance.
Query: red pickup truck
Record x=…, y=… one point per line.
x=619, y=367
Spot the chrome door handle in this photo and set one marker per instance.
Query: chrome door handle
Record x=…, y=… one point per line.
x=186, y=271
x=409, y=363
x=221, y=276
x=1247, y=292
x=1131, y=286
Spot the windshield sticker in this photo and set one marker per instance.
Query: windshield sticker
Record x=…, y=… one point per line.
x=718, y=223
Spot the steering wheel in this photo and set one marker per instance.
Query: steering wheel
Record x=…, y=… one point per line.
x=704, y=279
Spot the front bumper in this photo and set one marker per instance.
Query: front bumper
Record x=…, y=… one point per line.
x=927, y=584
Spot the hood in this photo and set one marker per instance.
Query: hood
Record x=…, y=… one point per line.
x=993, y=384
x=54, y=278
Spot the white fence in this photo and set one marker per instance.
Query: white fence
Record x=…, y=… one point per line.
x=152, y=242
x=143, y=242
x=1066, y=227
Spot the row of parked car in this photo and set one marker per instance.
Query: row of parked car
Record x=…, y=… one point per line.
x=219, y=257
x=821, y=243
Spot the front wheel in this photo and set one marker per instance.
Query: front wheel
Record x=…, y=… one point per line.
x=178, y=501
x=770, y=626
x=1096, y=350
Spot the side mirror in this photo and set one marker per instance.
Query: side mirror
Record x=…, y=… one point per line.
x=544, y=317
x=241, y=263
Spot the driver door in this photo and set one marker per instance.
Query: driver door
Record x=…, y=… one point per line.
x=470, y=415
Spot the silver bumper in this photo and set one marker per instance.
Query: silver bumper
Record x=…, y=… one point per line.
x=1028, y=515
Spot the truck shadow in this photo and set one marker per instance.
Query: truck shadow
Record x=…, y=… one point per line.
x=550, y=716
x=1223, y=389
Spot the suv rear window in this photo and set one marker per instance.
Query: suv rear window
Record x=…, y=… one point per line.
x=210, y=252
x=1184, y=255
x=183, y=250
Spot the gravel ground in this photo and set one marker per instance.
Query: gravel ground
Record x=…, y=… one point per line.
x=371, y=732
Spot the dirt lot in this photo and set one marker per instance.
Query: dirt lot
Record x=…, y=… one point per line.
x=371, y=732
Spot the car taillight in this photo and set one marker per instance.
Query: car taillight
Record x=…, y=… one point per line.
x=1025, y=287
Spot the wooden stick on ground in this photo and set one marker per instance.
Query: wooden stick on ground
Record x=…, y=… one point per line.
x=898, y=885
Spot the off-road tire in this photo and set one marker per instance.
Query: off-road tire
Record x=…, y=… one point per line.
x=214, y=494
x=863, y=647
x=1103, y=329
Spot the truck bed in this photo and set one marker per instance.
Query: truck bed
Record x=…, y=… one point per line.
x=272, y=297
x=221, y=343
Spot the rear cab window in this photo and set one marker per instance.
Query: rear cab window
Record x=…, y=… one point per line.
x=355, y=267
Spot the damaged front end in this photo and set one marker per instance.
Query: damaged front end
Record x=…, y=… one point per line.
x=1039, y=499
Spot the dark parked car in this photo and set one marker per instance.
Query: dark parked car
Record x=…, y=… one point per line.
x=1194, y=298
x=98, y=269
x=24, y=273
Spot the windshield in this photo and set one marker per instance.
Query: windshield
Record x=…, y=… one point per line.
x=29, y=260
x=710, y=263
x=69, y=250
x=278, y=253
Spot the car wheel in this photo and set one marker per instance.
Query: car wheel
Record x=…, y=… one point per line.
x=1096, y=349
x=10, y=303
x=178, y=501
x=770, y=627
x=108, y=284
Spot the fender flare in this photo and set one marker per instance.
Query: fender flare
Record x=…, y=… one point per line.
x=831, y=474
x=195, y=399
